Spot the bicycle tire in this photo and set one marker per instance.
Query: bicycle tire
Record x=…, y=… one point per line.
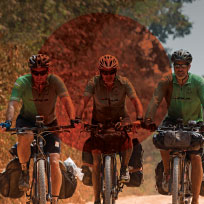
x=41, y=181
x=187, y=184
x=175, y=183
x=108, y=180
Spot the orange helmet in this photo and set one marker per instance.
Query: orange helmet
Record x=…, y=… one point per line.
x=108, y=63
x=39, y=60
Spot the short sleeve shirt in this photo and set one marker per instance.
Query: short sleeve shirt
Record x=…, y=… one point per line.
x=38, y=103
x=185, y=102
x=109, y=104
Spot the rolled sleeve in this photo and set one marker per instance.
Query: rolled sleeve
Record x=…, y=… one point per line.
x=201, y=91
x=60, y=87
x=89, y=90
x=157, y=98
x=17, y=91
x=131, y=93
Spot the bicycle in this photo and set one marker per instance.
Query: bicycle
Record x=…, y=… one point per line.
x=110, y=181
x=179, y=139
x=40, y=191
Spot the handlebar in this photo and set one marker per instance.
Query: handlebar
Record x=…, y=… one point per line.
x=99, y=127
x=41, y=129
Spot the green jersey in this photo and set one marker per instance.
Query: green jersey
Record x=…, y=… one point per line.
x=38, y=103
x=109, y=104
x=186, y=101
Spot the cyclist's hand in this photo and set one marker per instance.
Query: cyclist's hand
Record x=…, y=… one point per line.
x=2, y=129
x=150, y=125
x=78, y=124
x=118, y=126
x=5, y=126
x=136, y=125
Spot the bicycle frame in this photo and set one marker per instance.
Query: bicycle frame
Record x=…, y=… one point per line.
x=41, y=161
x=38, y=157
x=180, y=181
x=110, y=184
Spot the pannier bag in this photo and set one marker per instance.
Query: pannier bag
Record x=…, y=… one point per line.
x=9, y=180
x=187, y=140
x=159, y=177
x=69, y=182
x=136, y=163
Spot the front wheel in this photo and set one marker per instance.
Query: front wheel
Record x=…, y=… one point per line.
x=175, y=184
x=41, y=181
x=108, y=181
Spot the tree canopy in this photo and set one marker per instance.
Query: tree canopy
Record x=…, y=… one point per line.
x=31, y=22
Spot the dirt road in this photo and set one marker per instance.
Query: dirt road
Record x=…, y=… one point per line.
x=153, y=199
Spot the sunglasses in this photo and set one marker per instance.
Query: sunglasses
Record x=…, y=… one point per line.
x=36, y=73
x=180, y=65
x=108, y=72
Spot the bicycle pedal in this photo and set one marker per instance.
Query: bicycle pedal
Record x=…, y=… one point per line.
x=187, y=195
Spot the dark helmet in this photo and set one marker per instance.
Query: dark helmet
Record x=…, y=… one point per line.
x=182, y=55
x=108, y=63
x=39, y=60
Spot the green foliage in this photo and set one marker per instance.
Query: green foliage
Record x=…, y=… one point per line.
x=31, y=22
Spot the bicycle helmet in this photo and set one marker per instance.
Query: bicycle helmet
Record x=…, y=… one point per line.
x=108, y=63
x=182, y=55
x=39, y=60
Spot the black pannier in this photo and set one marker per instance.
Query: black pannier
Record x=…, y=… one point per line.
x=69, y=182
x=9, y=179
x=159, y=171
x=136, y=163
x=187, y=140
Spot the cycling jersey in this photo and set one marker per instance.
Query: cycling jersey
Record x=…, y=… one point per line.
x=109, y=104
x=184, y=102
x=35, y=102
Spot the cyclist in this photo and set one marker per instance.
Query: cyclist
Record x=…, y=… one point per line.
x=38, y=92
x=184, y=95
x=109, y=92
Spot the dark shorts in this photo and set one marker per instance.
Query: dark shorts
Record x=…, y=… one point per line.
x=52, y=139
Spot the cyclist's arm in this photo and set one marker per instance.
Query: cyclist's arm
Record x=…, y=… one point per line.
x=138, y=107
x=82, y=107
x=200, y=86
x=10, y=113
x=12, y=105
x=157, y=98
x=88, y=93
x=67, y=102
x=131, y=93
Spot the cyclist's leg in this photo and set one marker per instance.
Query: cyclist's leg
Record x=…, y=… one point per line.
x=23, y=148
x=53, y=146
x=24, y=151
x=87, y=164
x=165, y=160
x=56, y=176
x=165, y=153
x=196, y=175
x=96, y=174
x=24, y=141
x=126, y=152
